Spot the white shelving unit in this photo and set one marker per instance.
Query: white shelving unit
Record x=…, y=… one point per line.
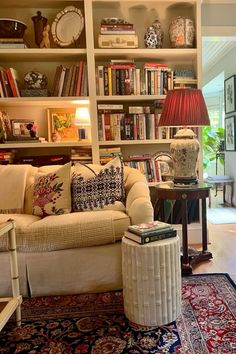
x=141, y=14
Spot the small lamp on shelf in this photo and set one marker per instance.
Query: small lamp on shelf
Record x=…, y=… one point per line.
x=82, y=119
x=185, y=108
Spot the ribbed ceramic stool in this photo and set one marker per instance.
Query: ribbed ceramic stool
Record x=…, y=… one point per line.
x=151, y=281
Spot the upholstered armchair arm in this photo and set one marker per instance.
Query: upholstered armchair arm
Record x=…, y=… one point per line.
x=138, y=202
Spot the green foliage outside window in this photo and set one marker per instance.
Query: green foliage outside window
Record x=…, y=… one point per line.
x=212, y=141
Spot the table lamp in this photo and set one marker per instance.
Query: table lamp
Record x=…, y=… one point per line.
x=185, y=108
x=82, y=119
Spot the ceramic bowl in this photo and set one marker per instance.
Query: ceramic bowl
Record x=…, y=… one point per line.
x=10, y=28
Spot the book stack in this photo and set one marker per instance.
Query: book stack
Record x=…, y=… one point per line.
x=107, y=154
x=150, y=232
x=71, y=81
x=9, y=83
x=117, y=33
x=147, y=165
x=10, y=43
x=184, y=78
x=81, y=155
x=6, y=157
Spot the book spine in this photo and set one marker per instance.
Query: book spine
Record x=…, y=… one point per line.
x=61, y=82
x=101, y=80
x=56, y=80
x=125, y=31
x=106, y=83
x=72, y=80
x=153, y=238
x=116, y=27
x=12, y=83
x=80, y=74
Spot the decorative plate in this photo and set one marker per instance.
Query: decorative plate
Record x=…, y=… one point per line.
x=67, y=26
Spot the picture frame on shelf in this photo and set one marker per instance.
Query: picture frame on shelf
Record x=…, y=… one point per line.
x=230, y=133
x=229, y=94
x=22, y=129
x=61, y=125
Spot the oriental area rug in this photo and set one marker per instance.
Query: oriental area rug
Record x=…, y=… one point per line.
x=95, y=323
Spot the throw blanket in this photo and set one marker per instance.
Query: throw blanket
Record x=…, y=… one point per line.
x=12, y=188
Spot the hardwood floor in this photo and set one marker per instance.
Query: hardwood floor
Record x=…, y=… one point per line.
x=222, y=244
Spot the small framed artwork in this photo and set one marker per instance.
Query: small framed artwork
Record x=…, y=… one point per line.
x=230, y=133
x=61, y=125
x=229, y=93
x=22, y=129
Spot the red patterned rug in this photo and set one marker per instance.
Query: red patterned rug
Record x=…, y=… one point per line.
x=95, y=323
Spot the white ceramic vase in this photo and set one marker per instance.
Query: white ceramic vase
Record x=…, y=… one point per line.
x=184, y=151
x=182, y=32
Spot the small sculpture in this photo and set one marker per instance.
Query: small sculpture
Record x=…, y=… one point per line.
x=39, y=23
x=35, y=80
x=153, y=37
x=45, y=43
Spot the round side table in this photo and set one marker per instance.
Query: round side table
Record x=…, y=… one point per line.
x=151, y=281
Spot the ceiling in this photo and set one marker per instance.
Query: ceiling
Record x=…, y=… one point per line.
x=215, y=49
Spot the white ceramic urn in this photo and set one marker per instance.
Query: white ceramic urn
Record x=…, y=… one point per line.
x=184, y=151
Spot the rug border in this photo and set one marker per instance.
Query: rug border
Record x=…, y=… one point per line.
x=206, y=274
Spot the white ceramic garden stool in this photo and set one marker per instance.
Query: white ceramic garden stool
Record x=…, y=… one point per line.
x=151, y=281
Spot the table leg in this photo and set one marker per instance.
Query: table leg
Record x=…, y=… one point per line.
x=232, y=193
x=186, y=268
x=204, y=226
x=203, y=255
x=224, y=189
x=14, y=272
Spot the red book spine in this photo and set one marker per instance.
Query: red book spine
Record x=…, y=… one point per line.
x=11, y=82
x=107, y=126
x=80, y=75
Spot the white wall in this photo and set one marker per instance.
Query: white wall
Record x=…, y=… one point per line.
x=222, y=15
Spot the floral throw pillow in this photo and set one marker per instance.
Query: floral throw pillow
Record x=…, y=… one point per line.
x=51, y=192
x=105, y=188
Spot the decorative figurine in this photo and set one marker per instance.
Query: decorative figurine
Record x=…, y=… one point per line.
x=35, y=80
x=45, y=43
x=159, y=33
x=39, y=24
x=154, y=35
x=150, y=37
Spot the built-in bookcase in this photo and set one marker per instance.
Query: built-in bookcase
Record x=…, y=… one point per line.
x=46, y=60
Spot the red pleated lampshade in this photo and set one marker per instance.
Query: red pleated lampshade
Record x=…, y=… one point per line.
x=184, y=107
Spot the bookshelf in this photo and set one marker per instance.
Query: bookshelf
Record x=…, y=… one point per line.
x=46, y=60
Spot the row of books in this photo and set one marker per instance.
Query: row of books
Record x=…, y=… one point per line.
x=128, y=126
x=107, y=154
x=121, y=77
x=150, y=232
x=72, y=81
x=81, y=155
x=6, y=157
x=117, y=28
x=147, y=165
x=9, y=43
x=9, y=83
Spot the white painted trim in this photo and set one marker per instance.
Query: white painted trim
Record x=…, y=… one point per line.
x=227, y=33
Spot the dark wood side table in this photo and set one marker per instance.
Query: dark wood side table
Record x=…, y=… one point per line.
x=193, y=192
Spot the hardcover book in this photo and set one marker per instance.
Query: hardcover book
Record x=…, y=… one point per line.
x=145, y=228
x=146, y=238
